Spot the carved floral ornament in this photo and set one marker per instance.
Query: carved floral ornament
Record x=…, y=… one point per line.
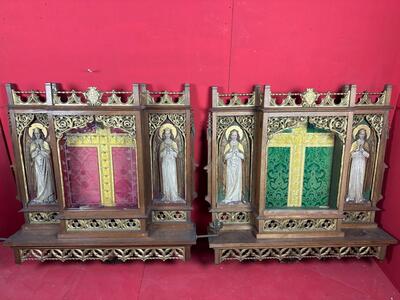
x=65, y=123
x=103, y=254
x=336, y=124
x=24, y=120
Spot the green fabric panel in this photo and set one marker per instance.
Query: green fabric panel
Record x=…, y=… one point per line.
x=277, y=177
x=317, y=176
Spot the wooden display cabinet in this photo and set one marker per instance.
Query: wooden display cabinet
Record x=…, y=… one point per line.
x=297, y=174
x=102, y=174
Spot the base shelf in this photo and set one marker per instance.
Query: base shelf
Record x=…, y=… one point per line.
x=243, y=245
x=159, y=244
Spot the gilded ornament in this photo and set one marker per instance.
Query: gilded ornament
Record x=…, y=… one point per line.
x=22, y=121
x=93, y=96
x=103, y=224
x=43, y=217
x=248, y=253
x=169, y=216
x=124, y=122
x=103, y=254
x=309, y=97
x=64, y=123
x=337, y=124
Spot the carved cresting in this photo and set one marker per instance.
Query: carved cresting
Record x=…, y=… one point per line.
x=310, y=98
x=103, y=254
x=94, y=97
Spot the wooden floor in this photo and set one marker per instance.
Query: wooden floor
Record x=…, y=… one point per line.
x=197, y=279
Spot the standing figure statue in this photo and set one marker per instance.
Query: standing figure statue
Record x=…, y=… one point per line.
x=233, y=156
x=168, y=154
x=41, y=162
x=359, y=156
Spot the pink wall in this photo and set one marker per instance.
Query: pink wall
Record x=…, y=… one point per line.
x=230, y=43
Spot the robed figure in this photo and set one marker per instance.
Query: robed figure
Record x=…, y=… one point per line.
x=41, y=163
x=233, y=156
x=359, y=156
x=168, y=156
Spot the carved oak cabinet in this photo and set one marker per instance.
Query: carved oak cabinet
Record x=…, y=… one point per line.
x=297, y=175
x=102, y=174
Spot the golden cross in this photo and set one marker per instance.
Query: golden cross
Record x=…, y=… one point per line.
x=297, y=140
x=104, y=140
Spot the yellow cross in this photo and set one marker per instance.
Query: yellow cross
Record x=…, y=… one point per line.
x=104, y=140
x=297, y=141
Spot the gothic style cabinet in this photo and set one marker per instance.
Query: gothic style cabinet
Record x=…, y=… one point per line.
x=297, y=175
x=102, y=174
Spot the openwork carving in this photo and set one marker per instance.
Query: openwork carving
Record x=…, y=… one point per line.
x=311, y=98
x=156, y=120
x=43, y=217
x=277, y=124
x=169, y=216
x=357, y=217
x=22, y=121
x=375, y=120
x=67, y=122
x=366, y=98
x=235, y=99
x=103, y=225
x=33, y=97
x=43, y=118
x=103, y=254
x=165, y=97
x=287, y=225
x=336, y=124
x=126, y=123
x=93, y=96
x=298, y=253
x=233, y=217
x=246, y=122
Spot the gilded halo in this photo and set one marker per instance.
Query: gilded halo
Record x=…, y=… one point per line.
x=167, y=126
x=37, y=125
x=234, y=127
x=359, y=127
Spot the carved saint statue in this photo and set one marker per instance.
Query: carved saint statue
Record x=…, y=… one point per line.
x=233, y=156
x=41, y=163
x=168, y=154
x=359, y=156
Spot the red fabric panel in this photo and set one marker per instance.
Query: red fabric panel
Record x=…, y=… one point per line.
x=125, y=177
x=81, y=180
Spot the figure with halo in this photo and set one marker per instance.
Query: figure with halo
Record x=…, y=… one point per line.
x=168, y=155
x=233, y=156
x=41, y=162
x=359, y=156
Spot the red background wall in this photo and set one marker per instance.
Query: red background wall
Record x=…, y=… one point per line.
x=230, y=43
